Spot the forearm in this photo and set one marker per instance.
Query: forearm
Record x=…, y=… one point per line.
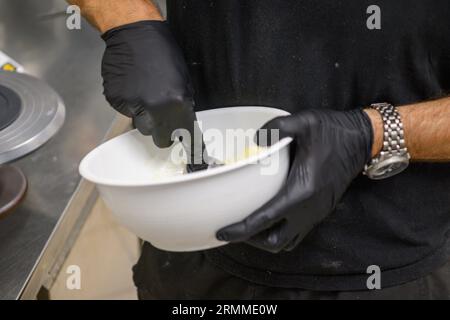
x=108, y=14
x=426, y=127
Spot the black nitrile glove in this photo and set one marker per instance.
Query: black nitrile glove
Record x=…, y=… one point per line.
x=146, y=78
x=331, y=149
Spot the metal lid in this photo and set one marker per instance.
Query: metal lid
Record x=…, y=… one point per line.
x=10, y=106
x=41, y=115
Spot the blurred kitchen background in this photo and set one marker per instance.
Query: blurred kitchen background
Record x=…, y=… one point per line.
x=61, y=222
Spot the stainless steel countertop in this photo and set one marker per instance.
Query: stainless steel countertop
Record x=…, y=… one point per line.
x=34, y=33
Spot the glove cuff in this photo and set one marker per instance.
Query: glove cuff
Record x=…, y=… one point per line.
x=152, y=24
x=367, y=132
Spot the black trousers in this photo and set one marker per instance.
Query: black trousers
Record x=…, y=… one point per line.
x=165, y=275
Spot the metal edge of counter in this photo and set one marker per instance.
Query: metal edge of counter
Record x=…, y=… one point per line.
x=67, y=229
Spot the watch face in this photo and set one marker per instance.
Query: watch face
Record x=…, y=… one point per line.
x=389, y=167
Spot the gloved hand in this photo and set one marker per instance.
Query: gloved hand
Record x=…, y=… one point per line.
x=146, y=78
x=331, y=149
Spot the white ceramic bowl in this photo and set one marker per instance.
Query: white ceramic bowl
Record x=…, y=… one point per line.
x=183, y=213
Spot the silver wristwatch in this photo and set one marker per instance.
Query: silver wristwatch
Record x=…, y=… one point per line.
x=394, y=156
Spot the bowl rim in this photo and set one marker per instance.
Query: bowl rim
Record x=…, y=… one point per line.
x=90, y=176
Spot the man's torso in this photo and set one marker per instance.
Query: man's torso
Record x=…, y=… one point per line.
x=320, y=54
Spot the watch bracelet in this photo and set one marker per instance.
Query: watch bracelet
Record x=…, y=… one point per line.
x=393, y=133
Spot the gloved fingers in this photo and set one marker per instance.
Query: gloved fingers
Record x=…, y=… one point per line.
x=261, y=219
x=162, y=136
x=272, y=240
x=145, y=77
x=276, y=130
x=162, y=127
x=293, y=244
x=169, y=119
x=118, y=103
x=144, y=123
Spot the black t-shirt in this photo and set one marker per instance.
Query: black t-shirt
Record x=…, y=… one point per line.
x=320, y=54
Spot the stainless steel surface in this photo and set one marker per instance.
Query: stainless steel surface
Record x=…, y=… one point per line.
x=42, y=115
x=68, y=228
x=13, y=187
x=34, y=33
